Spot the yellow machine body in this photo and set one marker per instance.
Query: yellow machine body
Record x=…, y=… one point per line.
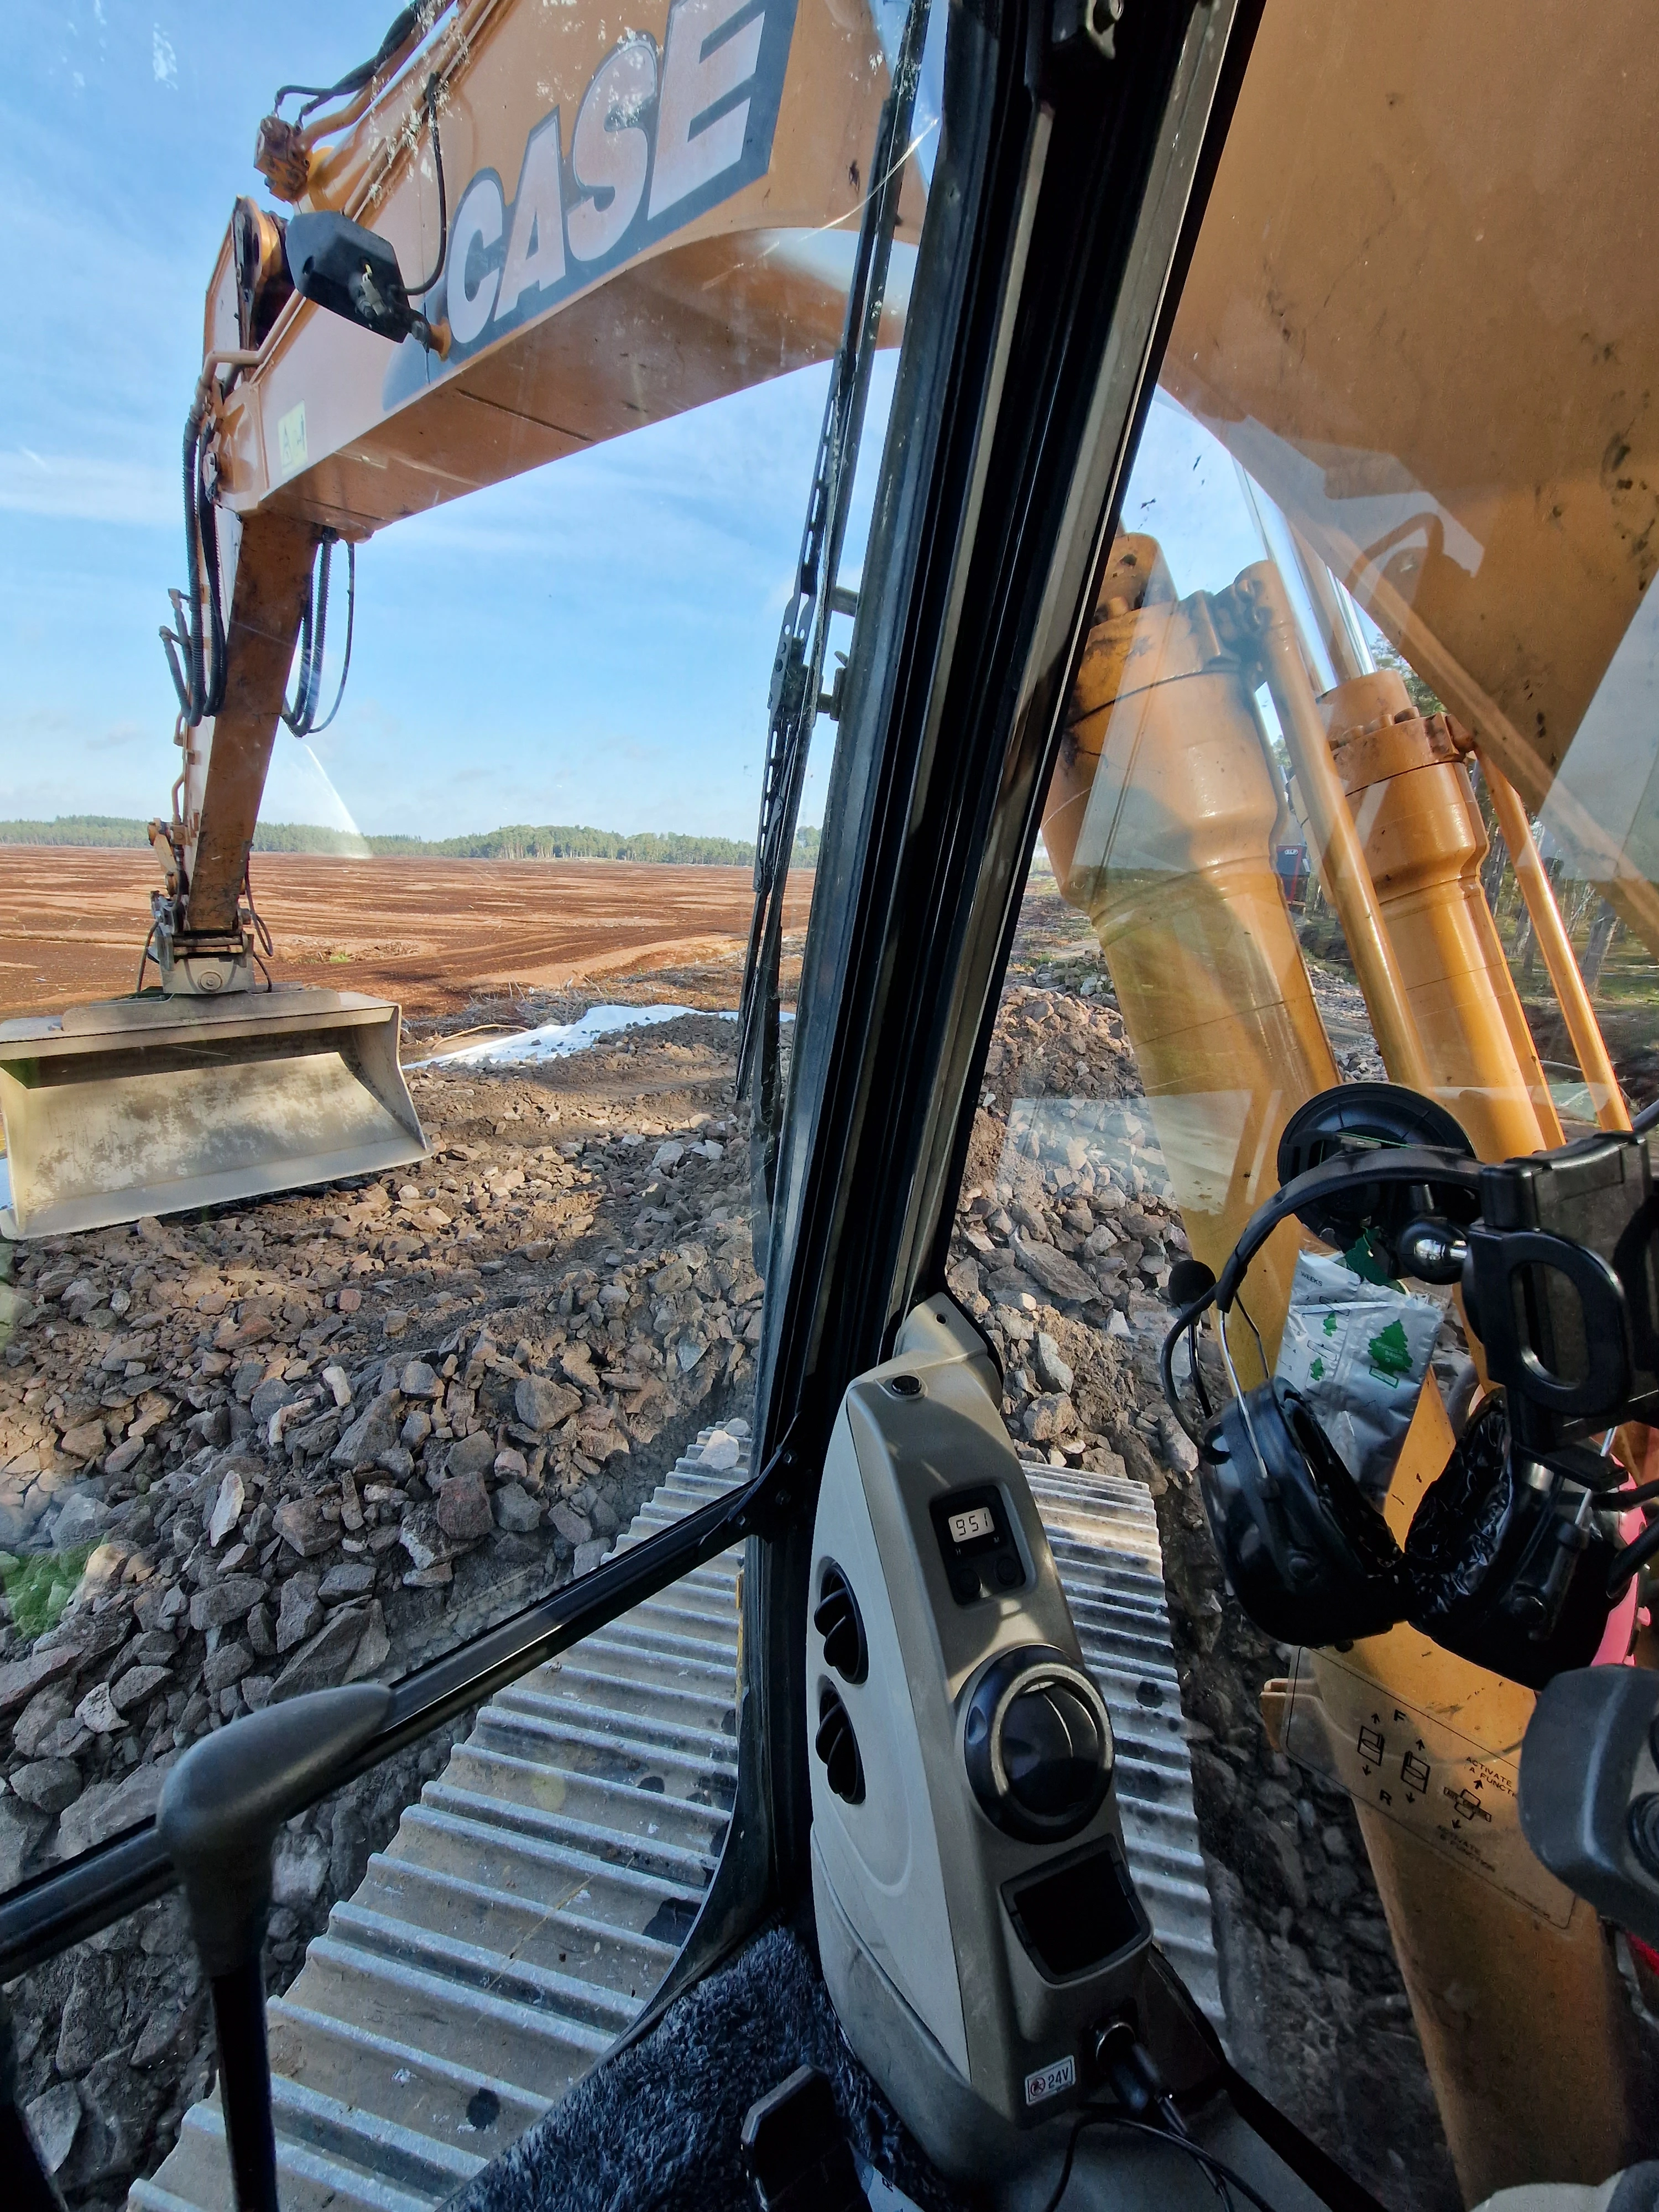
x=1158, y=823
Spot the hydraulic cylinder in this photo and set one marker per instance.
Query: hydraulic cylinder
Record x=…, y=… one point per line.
x=1159, y=825
x=1423, y=843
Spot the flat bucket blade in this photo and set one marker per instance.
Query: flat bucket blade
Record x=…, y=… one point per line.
x=141, y=1106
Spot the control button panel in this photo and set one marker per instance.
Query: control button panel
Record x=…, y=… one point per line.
x=976, y=1543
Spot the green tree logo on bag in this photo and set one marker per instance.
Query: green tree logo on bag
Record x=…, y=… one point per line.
x=1390, y=1355
x=1316, y=1372
x=1357, y=1348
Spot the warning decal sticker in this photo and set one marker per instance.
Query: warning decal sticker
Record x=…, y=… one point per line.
x=1454, y=1794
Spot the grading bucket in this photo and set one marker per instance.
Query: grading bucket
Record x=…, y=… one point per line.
x=158, y=1105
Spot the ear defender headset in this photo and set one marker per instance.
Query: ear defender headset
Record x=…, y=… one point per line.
x=1513, y=1557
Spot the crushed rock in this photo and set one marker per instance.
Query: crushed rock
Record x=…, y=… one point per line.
x=323, y=1436
x=320, y=1438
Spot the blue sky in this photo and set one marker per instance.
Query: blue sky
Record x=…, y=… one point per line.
x=590, y=643
x=593, y=642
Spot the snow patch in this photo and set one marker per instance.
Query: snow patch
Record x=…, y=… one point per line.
x=558, y=1040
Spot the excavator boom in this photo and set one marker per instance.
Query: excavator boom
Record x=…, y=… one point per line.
x=629, y=229
x=617, y=230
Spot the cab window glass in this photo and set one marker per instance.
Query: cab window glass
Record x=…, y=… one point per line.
x=1351, y=789
x=382, y=1263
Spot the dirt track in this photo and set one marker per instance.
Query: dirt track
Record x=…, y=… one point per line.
x=433, y=934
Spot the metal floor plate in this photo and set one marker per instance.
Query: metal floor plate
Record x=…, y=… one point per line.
x=537, y=1891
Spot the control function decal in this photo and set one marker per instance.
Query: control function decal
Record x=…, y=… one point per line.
x=1452, y=1791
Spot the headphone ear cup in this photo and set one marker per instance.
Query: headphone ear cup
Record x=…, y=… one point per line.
x=1479, y=1554
x=1460, y=1522
x=1307, y=1557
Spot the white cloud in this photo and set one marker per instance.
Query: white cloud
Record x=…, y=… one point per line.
x=163, y=60
x=76, y=487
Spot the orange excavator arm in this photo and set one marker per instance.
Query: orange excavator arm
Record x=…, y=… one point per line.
x=512, y=235
x=621, y=230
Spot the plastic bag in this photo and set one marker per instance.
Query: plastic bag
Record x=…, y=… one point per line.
x=1358, y=1350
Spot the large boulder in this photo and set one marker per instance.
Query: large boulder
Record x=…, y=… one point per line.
x=108, y=1807
x=232, y=1597
x=20, y=1679
x=300, y=1615
x=301, y=1523
x=371, y=1433
x=1060, y=1276
x=474, y=1455
x=541, y=1403
x=516, y=1510
x=325, y=1660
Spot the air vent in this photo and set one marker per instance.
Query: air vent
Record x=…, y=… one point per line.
x=1038, y=1744
x=841, y=1624
x=838, y=1747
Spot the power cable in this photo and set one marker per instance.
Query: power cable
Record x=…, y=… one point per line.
x=195, y=651
x=403, y=27
x=1216, y=2171
x=260, y=931
x=300, y=713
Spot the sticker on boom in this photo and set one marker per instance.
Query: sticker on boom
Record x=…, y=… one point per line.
x=1048, y=2080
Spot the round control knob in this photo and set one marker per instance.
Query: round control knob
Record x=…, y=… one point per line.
x=1038, y=1745
x=1051, y=1750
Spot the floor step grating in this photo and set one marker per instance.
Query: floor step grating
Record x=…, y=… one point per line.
x=538, y=1889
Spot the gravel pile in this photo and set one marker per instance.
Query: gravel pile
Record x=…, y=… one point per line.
x=319, y=1438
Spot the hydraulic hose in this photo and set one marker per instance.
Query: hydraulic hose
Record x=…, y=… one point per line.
x=405, y=26
x=190, y=679
x=199, y=677
x=430, y=102
x=301, y=716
